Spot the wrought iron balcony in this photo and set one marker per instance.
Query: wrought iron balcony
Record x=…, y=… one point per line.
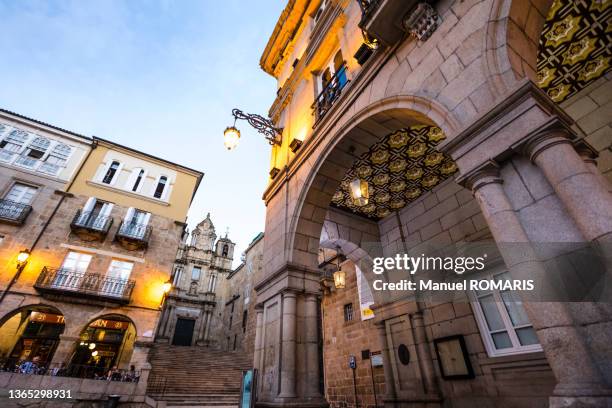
x=14, y=213
x=133, y=236
x=330, y=93
x=68, y=282
x=91, y=226
x=383, y=19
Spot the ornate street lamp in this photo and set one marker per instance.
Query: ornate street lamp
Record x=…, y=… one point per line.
x=231, y=135
x=359, y=192
x=167, y=286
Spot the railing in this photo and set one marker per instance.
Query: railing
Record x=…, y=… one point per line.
x=91, y=221
x=71, y=282
x=14, y=212
x=73, y=371
x=133, y=236
x=330, y=93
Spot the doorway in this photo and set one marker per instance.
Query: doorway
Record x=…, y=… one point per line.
x=183, y=333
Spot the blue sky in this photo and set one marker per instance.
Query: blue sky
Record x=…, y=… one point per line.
x=159, y=76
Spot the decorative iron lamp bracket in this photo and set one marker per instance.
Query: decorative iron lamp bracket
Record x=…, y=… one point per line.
x=263, y=125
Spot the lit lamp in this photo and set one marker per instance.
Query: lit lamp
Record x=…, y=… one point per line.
x=231, y=137
x=359, y=192
x=339, y=275
x=95, y=353
x=22, y=258
x=167, y=286
x=339, y=279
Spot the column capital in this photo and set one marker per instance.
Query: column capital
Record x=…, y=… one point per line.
x=552, y=134
x=586, y=151
x=487, y=173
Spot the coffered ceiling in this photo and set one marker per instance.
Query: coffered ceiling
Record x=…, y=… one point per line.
x=399, y=169
x=574, y=46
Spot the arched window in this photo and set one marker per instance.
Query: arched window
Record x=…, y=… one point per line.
x=57, y=159
x=111, y=172
x=225, y=250
x=138, y=180
x=161, y=186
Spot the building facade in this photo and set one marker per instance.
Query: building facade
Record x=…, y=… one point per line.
x=192, y=314
x=102, y=233
x=464, y=122
x=239, y=311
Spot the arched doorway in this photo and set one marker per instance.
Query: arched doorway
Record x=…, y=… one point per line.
x=30, y=334
x=105, y=343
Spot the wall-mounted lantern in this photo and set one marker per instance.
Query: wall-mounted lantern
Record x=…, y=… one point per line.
x=359, y=192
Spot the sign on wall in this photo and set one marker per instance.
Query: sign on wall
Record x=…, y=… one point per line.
x=366, y=299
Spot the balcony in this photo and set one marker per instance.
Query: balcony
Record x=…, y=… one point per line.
x=383, y=19
x=330, y=93
x=67, y=282
x=133, y=236
x=14, y=213
x=90, y=226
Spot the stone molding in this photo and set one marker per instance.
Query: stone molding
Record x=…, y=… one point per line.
x=487, y=173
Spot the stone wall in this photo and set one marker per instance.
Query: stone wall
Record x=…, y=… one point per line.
x=342, y=339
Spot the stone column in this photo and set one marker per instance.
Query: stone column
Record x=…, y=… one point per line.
x=288, y=346
x=424, y=354
x=311, y=339
x=580, y=383
x=589, y=156
x=582, y=193
x=257, y=354
x=208, y=324
x=202, y=328
x=64, y=349
x=390, y=392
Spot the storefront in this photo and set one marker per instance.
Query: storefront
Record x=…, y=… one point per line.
x=37, y=336
x=102, y=345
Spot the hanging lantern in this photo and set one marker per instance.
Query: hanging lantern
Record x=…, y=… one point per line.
x=339, y=275
x=359, y=192
x=231, y=137
x=339, y=279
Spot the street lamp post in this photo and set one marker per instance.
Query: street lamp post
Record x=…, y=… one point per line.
x=231, y=135
x=22, y=260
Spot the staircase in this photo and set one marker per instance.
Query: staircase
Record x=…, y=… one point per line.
x=195, y=377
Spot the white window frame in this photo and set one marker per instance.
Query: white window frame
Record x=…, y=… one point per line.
x=129, y=185
x=115, y=176
x=483, y=326
x=20, y=183
x=164, y=194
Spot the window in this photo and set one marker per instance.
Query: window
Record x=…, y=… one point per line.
x=56, y=160
x=21, y=193
x=161, y=186
x=76, y=261
x=120, y=269
x=135, y=223
x=503, y=322
x=196, y=271
x=348, y=312
x=138, y=180
x=95, y=214
x=225, y=250
x=34, y=152
x=244, y=320
x=12, y=144
x=109, y=177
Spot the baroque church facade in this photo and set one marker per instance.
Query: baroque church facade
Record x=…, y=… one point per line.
x=193, y=307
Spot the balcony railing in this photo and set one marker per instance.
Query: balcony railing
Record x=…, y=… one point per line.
x=133, y=236
x=69, y=282
x=384, y=19
x=14, y=213
x=330, y=93
x=91, y=226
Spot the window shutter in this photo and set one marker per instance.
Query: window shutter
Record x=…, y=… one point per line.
x=89, y=204
x=106, y=209
x=132, y=179
x=129, y=214
x=117, y=173
x=146, y=219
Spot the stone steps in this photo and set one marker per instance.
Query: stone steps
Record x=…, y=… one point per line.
x=195, y=377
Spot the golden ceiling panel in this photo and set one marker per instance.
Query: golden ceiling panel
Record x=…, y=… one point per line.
x=398, y=169
x=574, y=46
